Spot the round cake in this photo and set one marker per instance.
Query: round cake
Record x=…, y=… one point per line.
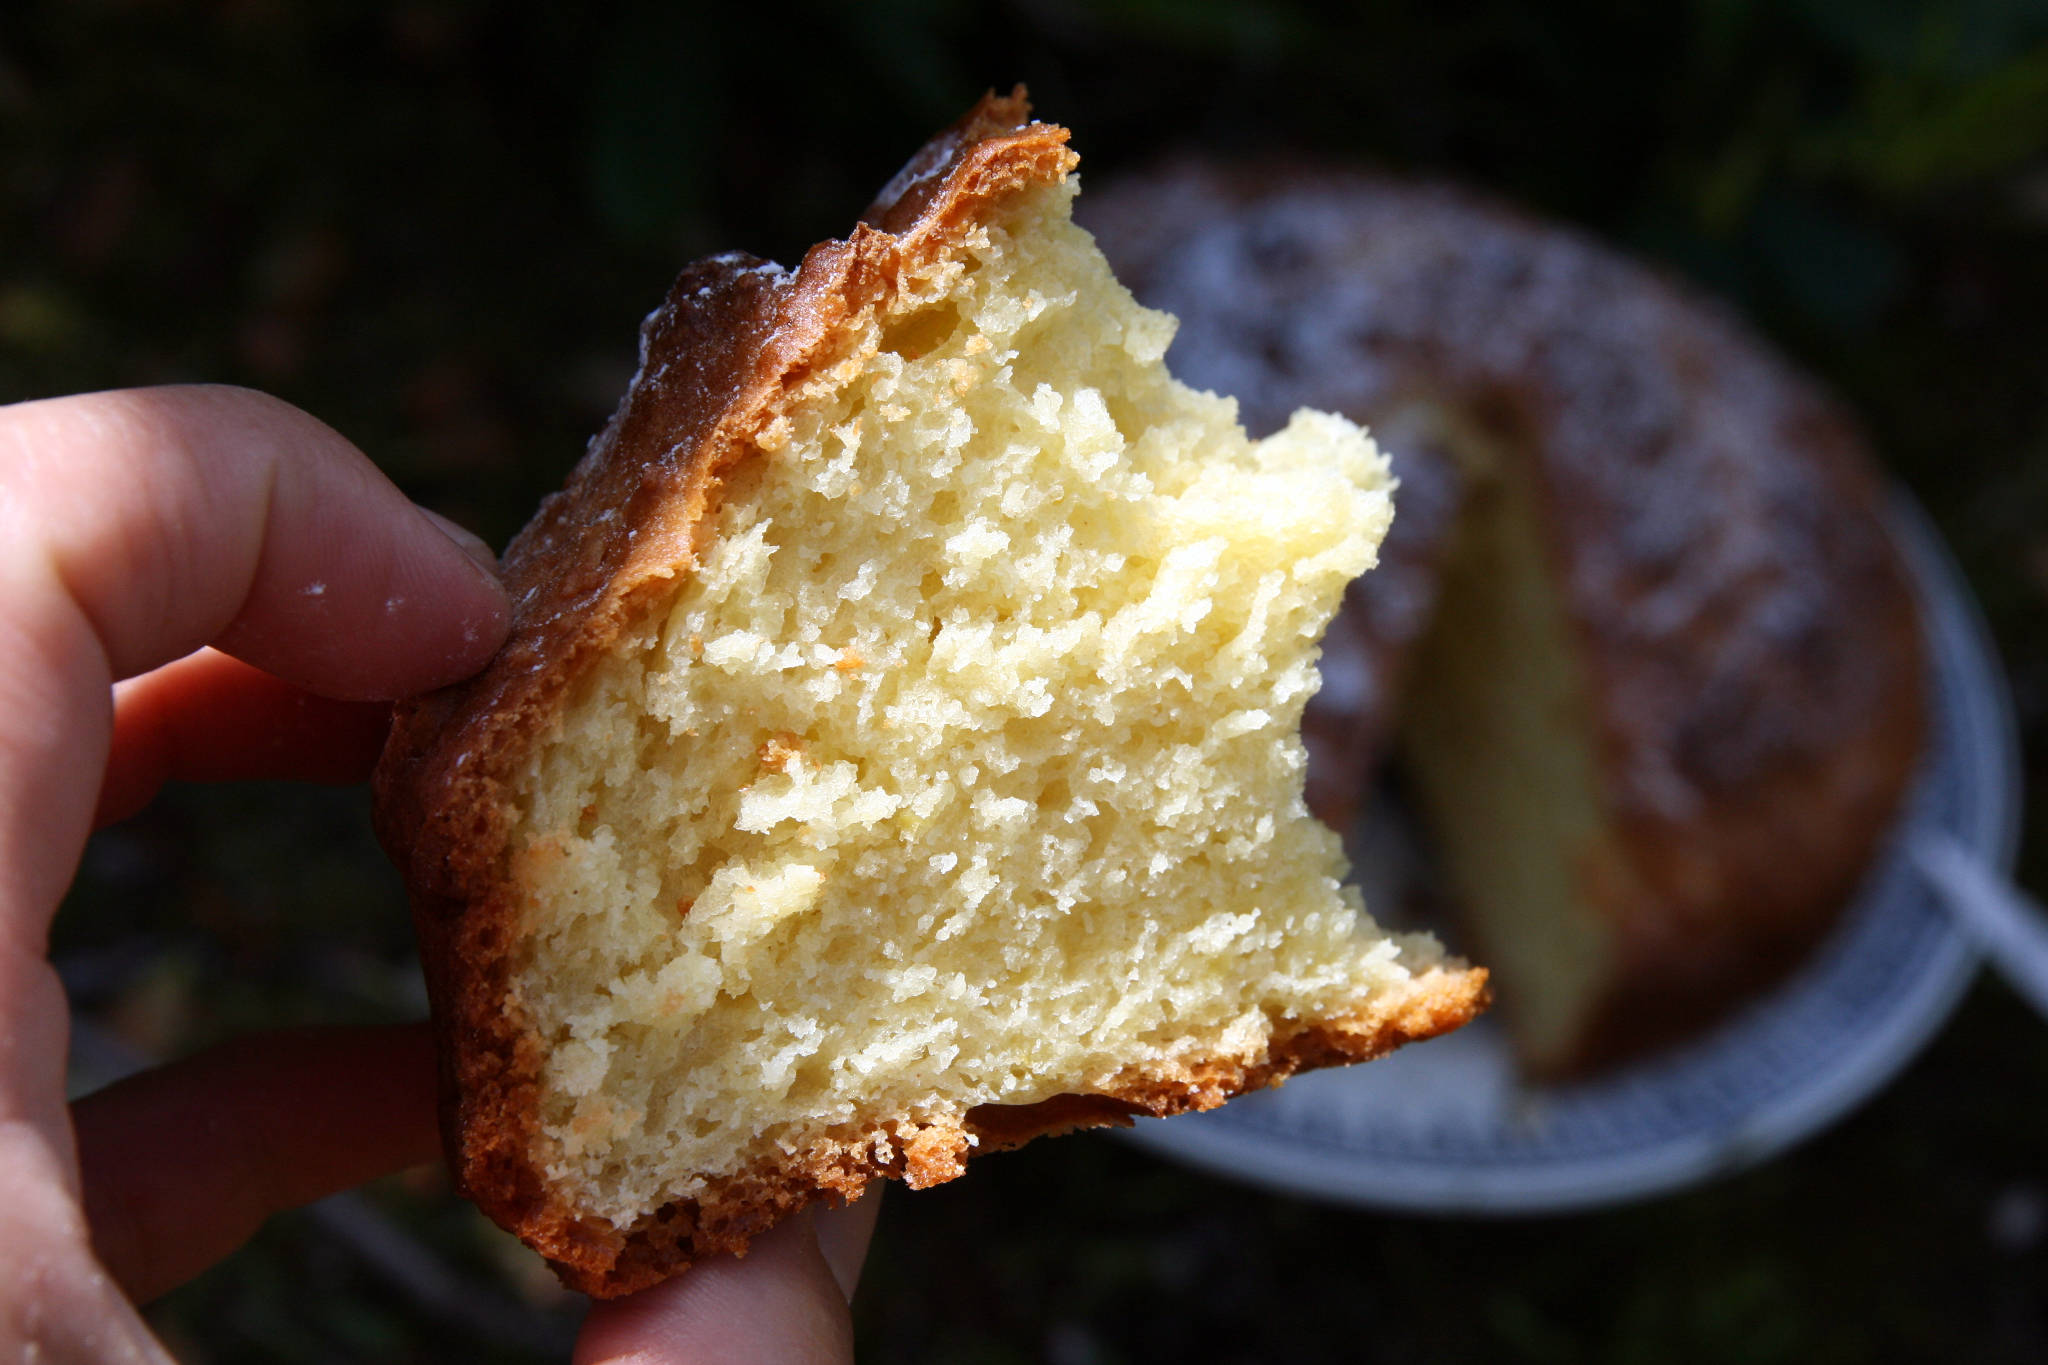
x=1640, y=635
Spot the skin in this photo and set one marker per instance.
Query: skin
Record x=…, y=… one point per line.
x=201, y=584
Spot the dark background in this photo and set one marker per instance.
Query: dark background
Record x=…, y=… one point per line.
x=436, y=225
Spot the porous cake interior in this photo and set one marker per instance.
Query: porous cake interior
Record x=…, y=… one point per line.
x=963, y=769
x=1497, y=735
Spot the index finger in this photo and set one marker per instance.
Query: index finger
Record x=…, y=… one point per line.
x=137, y=526
x=179, y=517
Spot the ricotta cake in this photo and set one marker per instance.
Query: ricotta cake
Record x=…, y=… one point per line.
x=895, y=756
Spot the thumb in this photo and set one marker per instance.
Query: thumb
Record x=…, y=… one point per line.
x=785, y=1303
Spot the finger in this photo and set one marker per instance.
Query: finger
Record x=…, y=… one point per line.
x=138, y=526
x=209, y=717
x=56, y=1303
x=780, y=1305
x=182, y=1164
x=844, y=1234
x=179, y=517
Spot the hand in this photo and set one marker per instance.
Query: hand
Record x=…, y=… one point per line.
x=262, y=589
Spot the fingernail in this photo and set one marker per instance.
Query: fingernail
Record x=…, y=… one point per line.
x=465, y=540
x=843, y=1234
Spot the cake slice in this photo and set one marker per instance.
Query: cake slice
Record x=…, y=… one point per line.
x=895, y=756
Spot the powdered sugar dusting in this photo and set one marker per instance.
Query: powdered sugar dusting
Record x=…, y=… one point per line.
x=1718, y=478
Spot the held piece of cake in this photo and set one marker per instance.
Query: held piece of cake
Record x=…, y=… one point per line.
x=1654, y=660
x=895, y=756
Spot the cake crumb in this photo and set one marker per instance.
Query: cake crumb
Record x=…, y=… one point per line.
x=778, y=749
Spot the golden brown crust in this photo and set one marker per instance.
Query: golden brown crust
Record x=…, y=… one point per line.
x=1748, y=633
x=733, y=338
x=931, y=1154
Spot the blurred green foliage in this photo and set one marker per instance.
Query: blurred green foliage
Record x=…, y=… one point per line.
x=436, y=223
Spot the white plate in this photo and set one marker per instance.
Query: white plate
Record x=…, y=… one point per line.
x=1447, y=1126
